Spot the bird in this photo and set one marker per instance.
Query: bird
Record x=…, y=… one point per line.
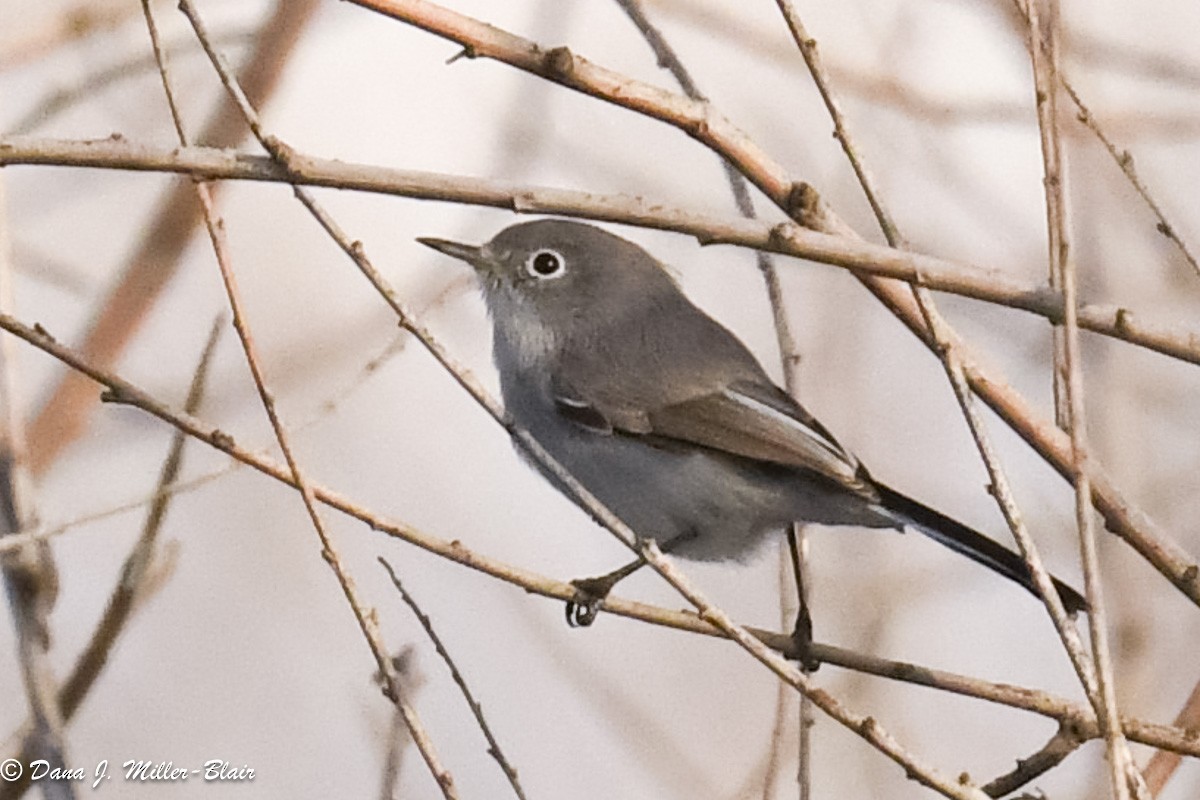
x=665, y=416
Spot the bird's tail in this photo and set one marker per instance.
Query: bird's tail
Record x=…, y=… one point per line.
x=972, y=544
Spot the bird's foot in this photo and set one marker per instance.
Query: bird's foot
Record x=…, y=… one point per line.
x=584, y=607
x=802, y=642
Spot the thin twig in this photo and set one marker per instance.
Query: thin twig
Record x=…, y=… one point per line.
x=30, y=576
x=866, y=727
x=1046, y=75
x=1122, y=158
x=132, y=587
x=326, y=407
x=45, y=532
x=809, y=50
x=950, y=359
x=365, y=617
x=755, y=40
x=793, y=547
x=1066, y=740
x=494, y=750
x=89, y=89
x=1124, y=161
x=788, y=610
x=64, y=416
x=1164, y=763
x=1068, y=367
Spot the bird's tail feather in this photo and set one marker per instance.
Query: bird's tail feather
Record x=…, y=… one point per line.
x=972, y=544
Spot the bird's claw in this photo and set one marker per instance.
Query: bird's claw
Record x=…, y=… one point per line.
x=802, y=642
x=581, y=615
x=584, y=607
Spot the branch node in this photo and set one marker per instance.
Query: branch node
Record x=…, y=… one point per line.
x=222, y=440
x=779, y=236
x=560, y=62
x=523, y=202
x=699, y=127
x=114, y=396
x=467, y=52
x=280, y=150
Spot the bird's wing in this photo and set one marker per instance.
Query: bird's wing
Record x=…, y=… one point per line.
x=707, y=390
x=747, y=418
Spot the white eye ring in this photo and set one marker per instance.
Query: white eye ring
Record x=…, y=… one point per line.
x=545, y=263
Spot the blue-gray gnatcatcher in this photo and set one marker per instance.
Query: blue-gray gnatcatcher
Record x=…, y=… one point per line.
x=664, y=415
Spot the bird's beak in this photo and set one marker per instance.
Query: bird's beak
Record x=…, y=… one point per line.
x=472, y=254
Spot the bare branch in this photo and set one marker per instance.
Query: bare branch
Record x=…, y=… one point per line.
x=951, y=358
x=30, y=576
x=94, y=83
x=494, y=750
x=1122, y=158
x=63, y=417
x=852, y=253
x=1066, y=740
x=133, y=587
x=793, y=547
x=1164, y=763
x=365, y=617
x=1068, y=381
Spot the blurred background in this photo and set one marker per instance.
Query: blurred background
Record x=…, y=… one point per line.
x=246, y=650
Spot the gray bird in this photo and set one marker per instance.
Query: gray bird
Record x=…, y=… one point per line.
x=664, y=415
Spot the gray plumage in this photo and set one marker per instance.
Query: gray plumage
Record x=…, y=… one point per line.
x=664, y=414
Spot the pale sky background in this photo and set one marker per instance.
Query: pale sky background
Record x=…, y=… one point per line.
x=249, y=653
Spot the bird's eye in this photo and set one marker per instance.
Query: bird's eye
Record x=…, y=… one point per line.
x=545, y=264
